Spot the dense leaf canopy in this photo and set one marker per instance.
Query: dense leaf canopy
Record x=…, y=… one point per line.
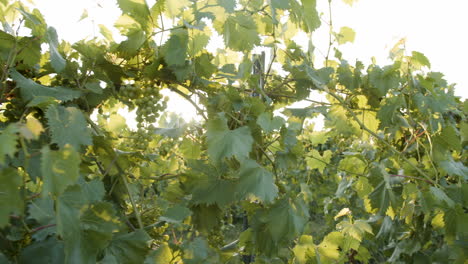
x=385, y=181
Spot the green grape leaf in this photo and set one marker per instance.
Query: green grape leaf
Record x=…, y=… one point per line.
x=419, y=59
x=175, y=214
x=59, y=169
x=198, y=251
x=383, y=79
x=304, y=249
x=190, y=149
x=316, y=161
x=8, y=139
x=310, y=16
x=197, y=42
x=228, y=5
x=48, y=251
x=29, y=51
x=356, y=230
x=86, y=229
x=214, y=191
x=42, y=210
x=68, y=126
x=106, y=33
x=388, y=111
x=381, y=198
x=240, y=33
x=161, y=255
x=280, y=4
x=441, y=196
x=128, y=248
x=11, y=201
x=136, y=9
x=448, y=138
x=42, y=102
x=93, y=190
x=175, y=49
x=257, y=181
x=345, y=35
x=206, y=217
x=130, y=47
x=30, y=89
x=283, y=221
x=225, y=143
x=35, y=21
x=454, y=168
x=56, y=59
x=269, y=124
x=175, y=7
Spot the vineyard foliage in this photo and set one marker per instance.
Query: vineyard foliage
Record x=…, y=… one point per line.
x=252, y=182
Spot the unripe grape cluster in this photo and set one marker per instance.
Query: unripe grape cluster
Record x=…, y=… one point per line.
x=148, y=103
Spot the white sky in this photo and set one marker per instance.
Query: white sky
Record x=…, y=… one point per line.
x=433, y=27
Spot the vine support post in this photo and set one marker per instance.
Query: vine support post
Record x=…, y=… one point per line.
x=258, y=68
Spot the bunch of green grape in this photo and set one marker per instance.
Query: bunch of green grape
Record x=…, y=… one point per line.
x=149, y=103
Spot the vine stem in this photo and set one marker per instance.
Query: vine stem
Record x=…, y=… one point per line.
x=132, y=201
x=363, y=127
x=410, y=177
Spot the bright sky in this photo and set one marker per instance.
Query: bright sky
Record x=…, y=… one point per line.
x=433, y=27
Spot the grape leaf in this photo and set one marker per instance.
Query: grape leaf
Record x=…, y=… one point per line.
x=8, y=140
x=68, y=125
x=356, y=229
x=129, y=47
x=175, y=49
x=240, y=33
x=381, y=198
x=56, y=59
x=137, y=9
x=30, y=51
x=419, y=59
x=214, y=191
x=30, y=89
x=42, y=211
x=128, y=248
x=269, y=124
x=316, y=161
x=10, y=195
x=257, y=181
x=59, y=169
x=48, y=251
x=86, y=229
x=161, y=255
x=455, y=168
x=284, y=221
x=174, y=7
x=310, y=16
x=225, y=143
x=198, y=251
x=345, y=35
x=175, y=214
x=228, y=5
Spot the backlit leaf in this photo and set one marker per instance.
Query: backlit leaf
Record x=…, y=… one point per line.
x=59, y=169
x=225, y=143
x=10, y=195
x=68, y=126
x=256, y=181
